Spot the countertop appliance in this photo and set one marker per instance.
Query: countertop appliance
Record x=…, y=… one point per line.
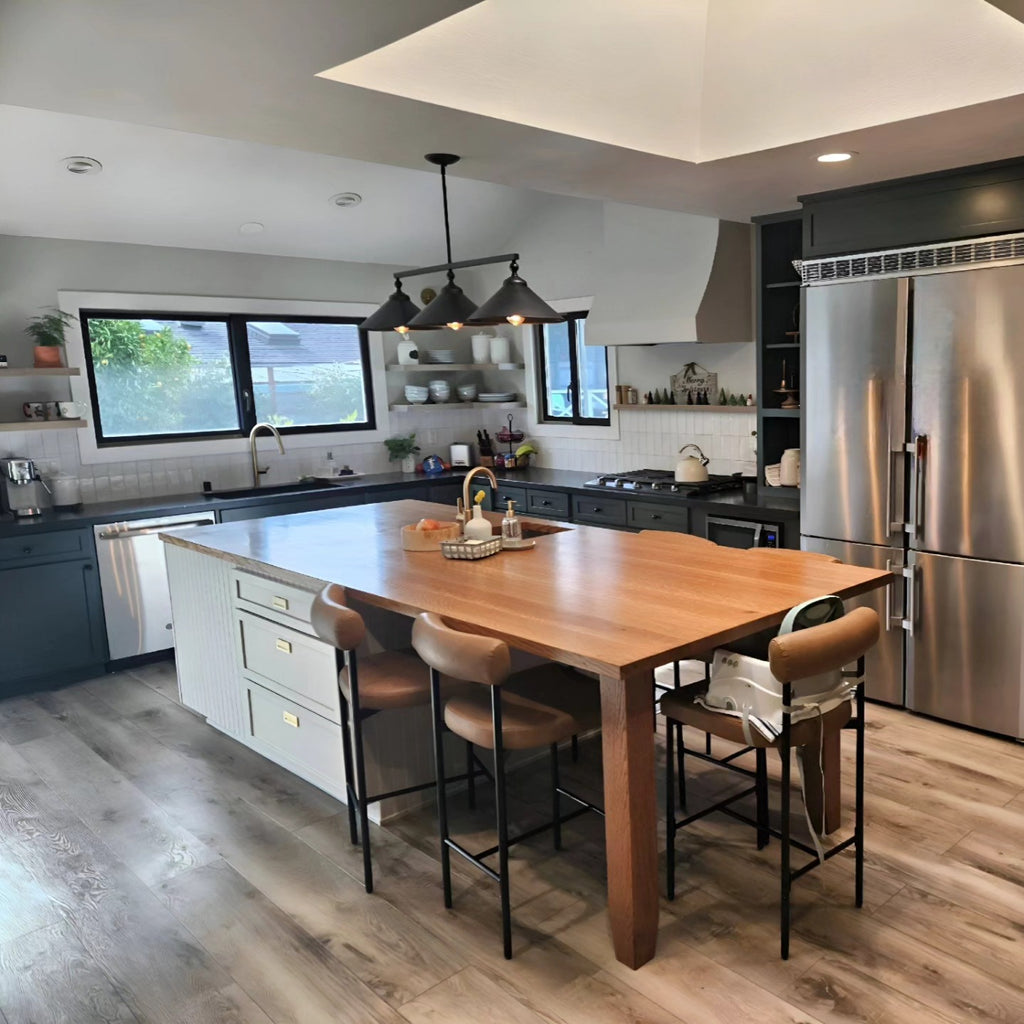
x=663, y=483
x=742, y=533
x=461, y=456
x=913, y=460
x=133, y=579
x=692, y=469
x=22, y=492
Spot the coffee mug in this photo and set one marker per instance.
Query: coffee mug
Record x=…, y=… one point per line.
x=51, y=410
x=34, y=410
x=69, y=410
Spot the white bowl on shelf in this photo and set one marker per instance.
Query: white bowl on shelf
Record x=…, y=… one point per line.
x=467, y=392
x=416, y=395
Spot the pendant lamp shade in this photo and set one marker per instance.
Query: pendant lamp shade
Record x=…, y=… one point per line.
x=514, y=303
x=397, y=310
x=451, y=308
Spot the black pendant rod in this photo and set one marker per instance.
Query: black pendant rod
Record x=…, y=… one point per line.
x=447, y=228
x=507, y=257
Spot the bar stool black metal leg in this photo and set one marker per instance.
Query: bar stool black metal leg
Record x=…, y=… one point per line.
x=470, y=775
x=442, y=801
x=761, y=796
x=787, y=881
x=346, y=754
x=681, y=768
x=556, y=808
x=670, y=812
x=859, y=811
x=357, y=728
x=502, y=814
x=575, y=747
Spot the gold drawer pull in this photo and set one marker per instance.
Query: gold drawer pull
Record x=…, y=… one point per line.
x=283, y=646
x=281, y=602
x=290, y=719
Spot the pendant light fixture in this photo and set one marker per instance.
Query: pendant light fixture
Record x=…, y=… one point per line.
x=514, y=302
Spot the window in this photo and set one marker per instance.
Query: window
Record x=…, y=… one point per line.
x=573, y=377
x=160, y=377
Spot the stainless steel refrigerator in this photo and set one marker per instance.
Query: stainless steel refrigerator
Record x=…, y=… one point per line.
x=913, y=459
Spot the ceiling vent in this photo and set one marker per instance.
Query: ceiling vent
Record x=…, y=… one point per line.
x=920, y=259
x=344, y=199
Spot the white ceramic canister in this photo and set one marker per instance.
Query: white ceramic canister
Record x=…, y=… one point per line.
x=66, y=491
x=789, y=468
x=501, y=350
x=481, y=348
x=408, y=353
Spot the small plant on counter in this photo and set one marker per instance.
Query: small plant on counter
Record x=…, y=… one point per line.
x=401, y=447
x=47, y=331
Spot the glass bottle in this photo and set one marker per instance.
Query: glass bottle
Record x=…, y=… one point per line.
x=511, y=527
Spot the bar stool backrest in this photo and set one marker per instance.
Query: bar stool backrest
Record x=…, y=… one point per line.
x=825, y=648
x=334, y=623
x=466, y=656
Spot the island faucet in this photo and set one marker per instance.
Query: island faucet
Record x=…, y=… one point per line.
x=256, y=471
x=465, y=484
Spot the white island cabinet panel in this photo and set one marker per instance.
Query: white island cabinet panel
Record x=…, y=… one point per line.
x=209, y=681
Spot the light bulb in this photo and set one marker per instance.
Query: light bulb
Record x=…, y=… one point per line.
x=516, y=319
x=454, y=325
x=834, y=158
x=402, y=329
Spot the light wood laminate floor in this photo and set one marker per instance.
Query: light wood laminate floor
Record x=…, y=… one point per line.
x=153, y=870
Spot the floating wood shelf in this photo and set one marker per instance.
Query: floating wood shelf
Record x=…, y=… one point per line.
x=40, y=371
x=783, y=344
x=431, y=407
x=639, y=407
x=780, y=413
x=43, y=425
x=431, y=367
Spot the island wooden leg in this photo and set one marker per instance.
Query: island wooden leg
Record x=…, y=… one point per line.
x=631, y=823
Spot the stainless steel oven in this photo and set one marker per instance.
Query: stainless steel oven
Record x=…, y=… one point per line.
x=742, y=533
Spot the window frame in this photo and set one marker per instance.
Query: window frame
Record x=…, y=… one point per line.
x=540, y=357
x=241, y=374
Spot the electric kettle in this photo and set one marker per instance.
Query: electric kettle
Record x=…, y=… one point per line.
x=692, y=469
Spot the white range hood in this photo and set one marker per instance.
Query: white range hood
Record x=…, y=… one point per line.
x=666, y=277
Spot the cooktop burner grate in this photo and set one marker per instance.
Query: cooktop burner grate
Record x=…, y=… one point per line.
x=663, y=481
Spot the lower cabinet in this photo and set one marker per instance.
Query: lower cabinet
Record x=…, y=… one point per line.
x=598, y=510
x=645, y=515
x=51, y=623
x=547, y=504
x=291, y=505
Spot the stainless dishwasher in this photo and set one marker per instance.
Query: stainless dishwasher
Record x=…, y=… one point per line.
x=133, y=578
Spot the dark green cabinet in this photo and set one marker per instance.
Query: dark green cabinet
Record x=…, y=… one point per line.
x=292, y=505
x=51, y=624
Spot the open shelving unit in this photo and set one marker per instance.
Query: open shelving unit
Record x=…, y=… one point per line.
x=19, y=425
x=779, y=342
x=442, y=367
x=640, y=407
x=39, y=371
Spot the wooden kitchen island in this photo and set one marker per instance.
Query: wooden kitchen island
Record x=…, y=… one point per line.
x=609, y=602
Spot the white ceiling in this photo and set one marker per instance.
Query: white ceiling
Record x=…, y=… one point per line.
x=701, y=80
x=209, y=113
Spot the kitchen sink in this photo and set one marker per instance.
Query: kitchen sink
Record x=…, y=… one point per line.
x=298, y=487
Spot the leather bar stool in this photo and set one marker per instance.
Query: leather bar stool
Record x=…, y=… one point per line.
x=503, y=712
x=792, y=657
x=370, y=684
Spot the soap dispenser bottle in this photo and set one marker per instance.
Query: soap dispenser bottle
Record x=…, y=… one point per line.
x=478, y=528
x=511, y=527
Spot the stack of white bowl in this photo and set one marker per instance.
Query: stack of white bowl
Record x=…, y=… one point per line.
x=440, y=390
x=467, y=392
x=415, y=395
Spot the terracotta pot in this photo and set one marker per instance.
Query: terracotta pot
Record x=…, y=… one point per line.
x=47, y=356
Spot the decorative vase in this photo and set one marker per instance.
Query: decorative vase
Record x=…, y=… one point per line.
x=48, y=356
x=478, y=528
x=409, y=464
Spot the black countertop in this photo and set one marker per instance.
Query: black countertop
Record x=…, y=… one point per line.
x=559, y=479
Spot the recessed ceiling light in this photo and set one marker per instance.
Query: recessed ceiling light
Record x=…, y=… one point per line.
x=346, y=199
x=82, y=165
x=834, y=158
x=250, y=227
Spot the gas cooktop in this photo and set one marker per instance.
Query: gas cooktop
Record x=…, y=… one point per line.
x=663, y=482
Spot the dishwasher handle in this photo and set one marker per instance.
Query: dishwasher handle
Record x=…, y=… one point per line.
x=142, y=531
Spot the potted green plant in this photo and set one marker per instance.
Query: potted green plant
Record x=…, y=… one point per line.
x=404, y=448
x=47, y=331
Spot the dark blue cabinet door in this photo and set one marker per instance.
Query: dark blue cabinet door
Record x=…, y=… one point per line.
x=51, y=623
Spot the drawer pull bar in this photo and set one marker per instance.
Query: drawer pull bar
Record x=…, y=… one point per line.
x=283, y=646
x=290, y=719
x=281, y=602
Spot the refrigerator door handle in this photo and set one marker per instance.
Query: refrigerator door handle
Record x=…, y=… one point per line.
x=918, y=450
x=895, y=522
x=890, y=619
x=897, y=410
x=908, y=622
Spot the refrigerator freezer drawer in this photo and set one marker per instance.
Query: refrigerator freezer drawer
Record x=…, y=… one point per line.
x=883, y=666
x=965, y=646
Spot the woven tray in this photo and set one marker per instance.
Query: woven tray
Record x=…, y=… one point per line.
x=470, y=550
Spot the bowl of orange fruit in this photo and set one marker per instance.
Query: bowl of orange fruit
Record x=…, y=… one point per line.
x=427, y=534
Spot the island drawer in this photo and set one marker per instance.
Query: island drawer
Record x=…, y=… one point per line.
x=503, y=495
x=548, y=503
x=44, y=546
x=292, y=735
x=298, y=667
x=287, y=603
x=644, y=515
x=587, y=508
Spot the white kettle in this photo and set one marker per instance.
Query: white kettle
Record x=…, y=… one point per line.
x=692, y=469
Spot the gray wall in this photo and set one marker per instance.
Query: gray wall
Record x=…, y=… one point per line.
x=33, y=270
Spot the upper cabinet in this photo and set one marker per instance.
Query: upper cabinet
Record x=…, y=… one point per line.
x=671, y=277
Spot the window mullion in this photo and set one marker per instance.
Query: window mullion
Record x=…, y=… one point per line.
x=574, y=373
x=245, y=397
